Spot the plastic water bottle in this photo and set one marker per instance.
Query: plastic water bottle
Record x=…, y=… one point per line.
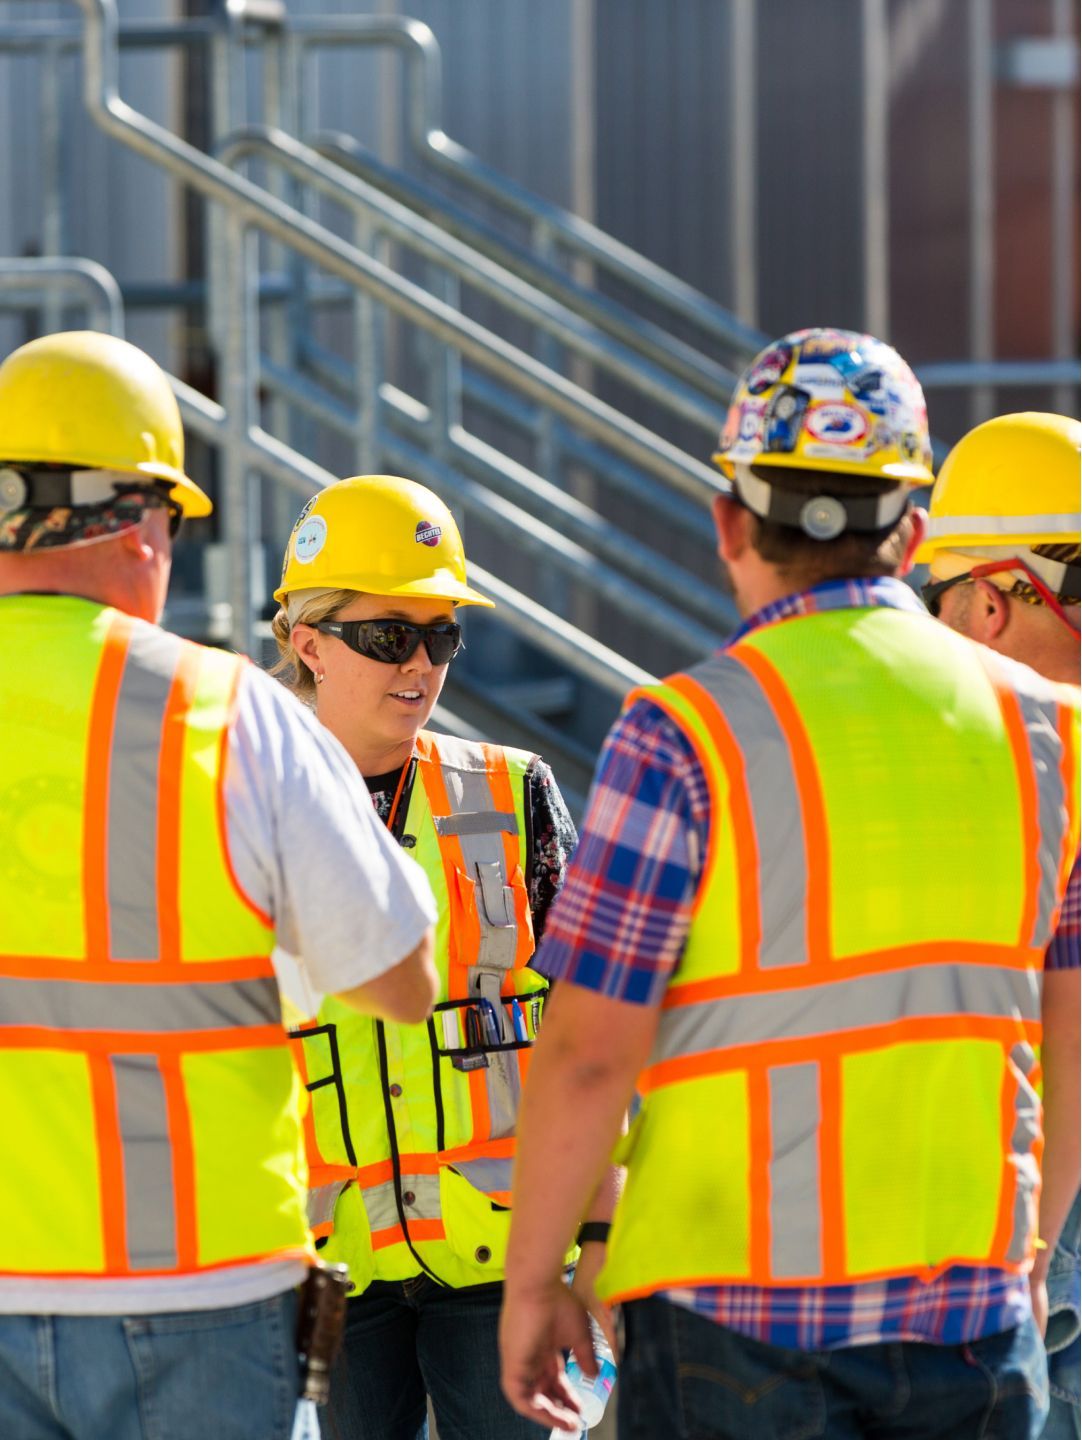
x=592, y=1395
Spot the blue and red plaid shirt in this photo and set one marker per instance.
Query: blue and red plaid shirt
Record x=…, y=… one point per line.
x=619, y=927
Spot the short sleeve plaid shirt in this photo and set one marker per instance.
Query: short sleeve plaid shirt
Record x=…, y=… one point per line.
x=619, y=928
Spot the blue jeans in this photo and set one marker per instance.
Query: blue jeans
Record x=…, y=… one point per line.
x=685, y=1378
x=201, y=1375
x=1061, y=1341
x=408, y=1339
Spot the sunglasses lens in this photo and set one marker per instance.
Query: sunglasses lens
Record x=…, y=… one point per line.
x=441, y=642
x=388, y=641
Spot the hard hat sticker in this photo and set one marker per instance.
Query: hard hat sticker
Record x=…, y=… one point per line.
x=427, y=534
x=309, y=539
x=837, y=424
x=769, y=369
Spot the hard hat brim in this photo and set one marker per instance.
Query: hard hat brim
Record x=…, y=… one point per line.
x=194, y=503
x=910, y=472
x=438, y=587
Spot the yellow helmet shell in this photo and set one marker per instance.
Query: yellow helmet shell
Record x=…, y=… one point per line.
x=382, y=535
x=94, y=402
x=1012, y=481
x=829, y=400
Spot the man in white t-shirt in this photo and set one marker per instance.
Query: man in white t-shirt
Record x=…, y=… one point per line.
x=170, y=816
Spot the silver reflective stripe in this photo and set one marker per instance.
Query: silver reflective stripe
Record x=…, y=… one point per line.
x=915, y=991
x=796, y=1242
x=194, y=1005
x=148, y=1162
x=775, y=807
x=489, y=1175
x=504, y=1086
x=470, y=795
x=1027, y=1127
x=1061, y=524
x=1045, y=748
x=133, y=793
x=381, y=1205
x=321, y=1202
x=477, y=822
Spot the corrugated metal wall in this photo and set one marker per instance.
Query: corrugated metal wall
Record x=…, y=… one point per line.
x=120, y=210
x=651, y=157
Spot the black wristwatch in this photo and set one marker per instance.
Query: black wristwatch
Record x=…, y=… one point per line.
x=593, y=1230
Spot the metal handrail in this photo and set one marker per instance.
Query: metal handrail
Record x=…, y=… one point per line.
x=474, y=269
x=635, y=331
x=424, y=108
x=249, y=204
x=581, y=653
x=424, y=92
x=95, y=284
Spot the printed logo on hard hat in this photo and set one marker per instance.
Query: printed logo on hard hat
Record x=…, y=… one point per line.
x=823, y=344
x=784, y=418
x=837, y=424
x=742, y=438
x=309, y=539
x=822, y=381
x=768, y=369
x=427, y=533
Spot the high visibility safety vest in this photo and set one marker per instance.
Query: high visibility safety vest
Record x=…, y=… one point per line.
x=843, y=1082
x=411, y=1132
x=151, y=1110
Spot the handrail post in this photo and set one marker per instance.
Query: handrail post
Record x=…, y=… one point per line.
x=238, y=388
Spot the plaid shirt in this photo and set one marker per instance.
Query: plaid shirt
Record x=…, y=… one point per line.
x=619, y=927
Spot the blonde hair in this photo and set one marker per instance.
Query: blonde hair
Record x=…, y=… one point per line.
x=290, y=668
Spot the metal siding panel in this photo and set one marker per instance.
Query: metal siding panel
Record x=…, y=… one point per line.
x=809, y=159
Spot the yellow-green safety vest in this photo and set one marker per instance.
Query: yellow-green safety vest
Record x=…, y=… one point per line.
x=843, y=1083
x=411, y=1132
x=151, y=1109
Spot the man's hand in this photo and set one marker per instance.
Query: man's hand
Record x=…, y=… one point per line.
x=534, y=1329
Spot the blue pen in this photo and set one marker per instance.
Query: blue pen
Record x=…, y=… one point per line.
x=491, y=1024
x=518, y=1020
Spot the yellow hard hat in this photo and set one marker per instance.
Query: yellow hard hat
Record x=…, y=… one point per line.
x=94, y=402
x=830, y=400
x=1013, y=481
x=379, y=534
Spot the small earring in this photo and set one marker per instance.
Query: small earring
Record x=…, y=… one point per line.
x=321, y=675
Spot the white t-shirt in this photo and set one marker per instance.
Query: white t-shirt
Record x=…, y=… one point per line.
x=347, y=905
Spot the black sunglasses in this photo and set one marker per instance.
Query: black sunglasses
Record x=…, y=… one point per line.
x=932, y=590
x=394, y=641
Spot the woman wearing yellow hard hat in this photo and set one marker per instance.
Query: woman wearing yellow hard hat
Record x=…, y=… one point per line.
x=411, y=1130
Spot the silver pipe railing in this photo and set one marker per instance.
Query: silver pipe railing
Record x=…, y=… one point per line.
x=474, y=269
x=636, y=332
x=247, y=205
x=581, y=653
x=86, y=280
x=424, y=105
x=255, y=207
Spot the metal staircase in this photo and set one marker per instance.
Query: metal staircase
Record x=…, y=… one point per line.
x=366, y=320
x=432, y=319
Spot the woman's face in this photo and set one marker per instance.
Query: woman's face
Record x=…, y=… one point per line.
x=375, y=709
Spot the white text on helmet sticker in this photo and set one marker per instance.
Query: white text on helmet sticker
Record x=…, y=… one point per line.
x=309, y=539
x=822, y=381
x=837, y=424
x=427, y=533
